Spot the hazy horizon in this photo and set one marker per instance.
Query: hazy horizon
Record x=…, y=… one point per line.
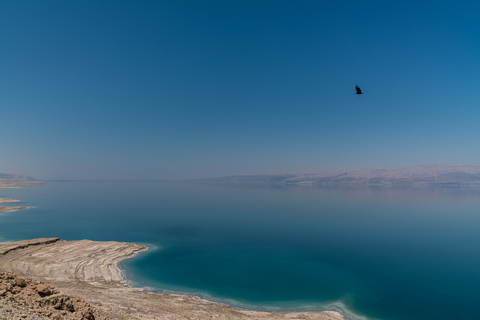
x=128, y=90
x=437, y=167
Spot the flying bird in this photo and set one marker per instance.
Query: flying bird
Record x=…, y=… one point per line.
x=359, y=91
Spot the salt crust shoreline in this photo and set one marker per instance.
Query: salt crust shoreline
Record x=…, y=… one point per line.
x=4, y=209
x=89, y=270
x=12, y=184
x=7, y=200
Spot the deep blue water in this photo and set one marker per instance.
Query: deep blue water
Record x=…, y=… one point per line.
x=392, y=254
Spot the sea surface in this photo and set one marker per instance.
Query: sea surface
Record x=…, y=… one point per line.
x=391, y=253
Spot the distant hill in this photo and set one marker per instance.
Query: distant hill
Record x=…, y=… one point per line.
x=422, y=175
x=15, y=180
x=18, y=177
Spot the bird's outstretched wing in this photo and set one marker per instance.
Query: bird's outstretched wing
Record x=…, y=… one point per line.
x=359, y=91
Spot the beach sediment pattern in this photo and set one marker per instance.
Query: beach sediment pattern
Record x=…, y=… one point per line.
x=89, y=269
x=81, y=261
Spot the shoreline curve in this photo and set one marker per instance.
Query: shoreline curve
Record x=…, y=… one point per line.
x=90, y=270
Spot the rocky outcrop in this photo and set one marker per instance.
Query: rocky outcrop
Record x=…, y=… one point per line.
x=24, y=298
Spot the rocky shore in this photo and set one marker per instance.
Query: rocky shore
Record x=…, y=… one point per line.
x=24, y=298
x=85, y=277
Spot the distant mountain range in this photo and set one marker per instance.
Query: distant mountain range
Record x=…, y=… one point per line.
x=422, y=175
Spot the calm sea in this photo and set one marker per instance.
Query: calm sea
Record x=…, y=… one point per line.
x=391, y=254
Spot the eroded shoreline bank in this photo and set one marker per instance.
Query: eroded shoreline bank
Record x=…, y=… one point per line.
x=89, y=270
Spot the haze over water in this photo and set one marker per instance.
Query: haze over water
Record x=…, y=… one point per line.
x=380, y=253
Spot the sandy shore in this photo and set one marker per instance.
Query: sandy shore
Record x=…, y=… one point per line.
x=89, y=270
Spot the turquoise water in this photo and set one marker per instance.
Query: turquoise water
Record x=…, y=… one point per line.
x=392, y=254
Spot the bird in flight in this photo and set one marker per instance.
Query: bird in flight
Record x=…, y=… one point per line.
x=359, y=91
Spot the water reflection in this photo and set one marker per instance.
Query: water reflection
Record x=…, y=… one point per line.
x=390, y=253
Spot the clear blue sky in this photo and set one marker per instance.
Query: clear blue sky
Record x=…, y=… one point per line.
x=187, y=89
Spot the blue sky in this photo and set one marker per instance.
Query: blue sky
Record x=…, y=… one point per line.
x=187, y=89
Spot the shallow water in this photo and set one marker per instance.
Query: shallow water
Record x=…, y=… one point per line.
x=376, y=253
